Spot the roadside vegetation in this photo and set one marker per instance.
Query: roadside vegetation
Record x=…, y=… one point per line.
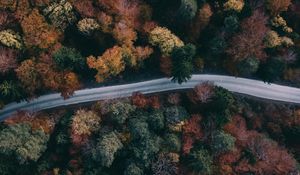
x=64, y=45
x=205, y=130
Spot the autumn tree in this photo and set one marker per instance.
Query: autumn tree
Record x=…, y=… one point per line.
x=8, y=60
x=277, y=6
x=182, y=60
x=165, y=40
x=111, y=63
x=192, y=132
x=201, y=93
x=84, y=123
x=165, y=64
x=28, y=76
x=37, y=32
x=249, y=42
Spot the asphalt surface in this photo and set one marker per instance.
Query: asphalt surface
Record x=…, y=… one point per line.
x=250, y=87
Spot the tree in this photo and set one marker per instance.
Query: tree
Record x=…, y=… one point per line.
x=165, y=40
x=111, y=63
x=106, y=149
x=236, y=5
x=187, y=9
x=133, y=169
x=200, y=21
x=10, y=91
x=61, y=14
x=272, y=69
x=277, y=6
x=248, y=66
x=174, y=117
x=182, y=59
x=156, y=120
x=87, y=26
x=10, y=38
x=139, y=100
x=192, y=132
x=119, y=112
x=20, y=142
x=172, y=143
x=202, y=93
x=69, y=58
x=249, y=42
x=222, y=142
x=164, y=166
x=165, y=64
x=139, y=129
x=8, y=60
x=37, y=32
x=200, y=162
x=28, y=76
x=84, y=123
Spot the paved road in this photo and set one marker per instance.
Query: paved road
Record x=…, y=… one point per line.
x=240, y=85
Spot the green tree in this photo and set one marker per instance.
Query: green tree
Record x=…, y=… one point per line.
x=120, y=111
x=10, y=91
x=222, y=142
x=156, y=120
x=200, y=162
x=69, y=58
x=133, y=169
x=272, y=69
x=106, y=149
x=231, y=23
x=172, y=143
x=23, y=144
x=182, y=59
x=187, y=9
x=248, y=66
x=138, y=129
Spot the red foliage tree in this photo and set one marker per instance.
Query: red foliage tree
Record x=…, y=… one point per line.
x=85, y=8
x=139, y=100
x=201, y=93
x=277, y=6
x=249, y=42
x=192, y=132
x=154, y=102
x=174, y=98
x=8, y=60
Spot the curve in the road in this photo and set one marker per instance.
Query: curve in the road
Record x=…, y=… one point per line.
x=240, y=85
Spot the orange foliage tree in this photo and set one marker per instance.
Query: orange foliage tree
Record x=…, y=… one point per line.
x=37, y=32
x=28, y=76
x=277, y=6
x=111, y=63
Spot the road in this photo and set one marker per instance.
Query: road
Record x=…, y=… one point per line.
x=240, y=85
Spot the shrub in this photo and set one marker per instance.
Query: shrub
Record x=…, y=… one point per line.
x=69, y=58
x=182, y=59
x=187, y=9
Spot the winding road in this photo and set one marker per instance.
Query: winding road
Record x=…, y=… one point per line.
x=240, y=85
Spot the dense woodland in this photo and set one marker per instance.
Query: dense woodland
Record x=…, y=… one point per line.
x=203, y=131
x=64, y=45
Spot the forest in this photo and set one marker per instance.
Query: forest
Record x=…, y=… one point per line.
x=49, y=46
x=203, y=131
x=64, y=45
